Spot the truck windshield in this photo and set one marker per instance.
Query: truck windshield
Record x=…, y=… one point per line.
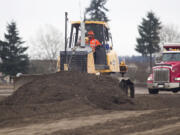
x=171, y=57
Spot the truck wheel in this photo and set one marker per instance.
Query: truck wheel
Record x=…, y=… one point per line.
x=153, y=91
x=175, y=91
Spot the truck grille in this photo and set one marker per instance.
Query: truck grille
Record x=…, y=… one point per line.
x=161, y=75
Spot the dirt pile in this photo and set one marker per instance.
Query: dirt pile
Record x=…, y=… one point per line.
x=96, y=91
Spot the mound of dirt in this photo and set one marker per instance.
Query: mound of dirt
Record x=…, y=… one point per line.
x=96, y=91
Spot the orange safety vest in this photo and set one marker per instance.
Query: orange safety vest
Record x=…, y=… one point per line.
x=93, y=43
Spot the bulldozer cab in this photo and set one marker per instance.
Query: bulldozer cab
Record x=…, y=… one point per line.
x=100, y=29
x=79, y=56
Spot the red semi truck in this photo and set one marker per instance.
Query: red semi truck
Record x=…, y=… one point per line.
x=166, y=74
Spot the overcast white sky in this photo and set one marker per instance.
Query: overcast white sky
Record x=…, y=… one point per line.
x=125, y=16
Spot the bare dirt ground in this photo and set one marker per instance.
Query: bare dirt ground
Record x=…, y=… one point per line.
x=162, y=121
x=147, y=115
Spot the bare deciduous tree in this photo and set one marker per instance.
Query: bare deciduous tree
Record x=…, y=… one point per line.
x=47, y=45
x=169, y=33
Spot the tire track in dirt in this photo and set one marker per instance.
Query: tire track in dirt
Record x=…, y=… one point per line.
x=6, y=92
x=129, y=125
x=165, y=130
x=67, y=124
x=147, y=122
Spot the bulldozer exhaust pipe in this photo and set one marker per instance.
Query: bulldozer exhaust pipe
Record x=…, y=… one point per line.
x=66, y=19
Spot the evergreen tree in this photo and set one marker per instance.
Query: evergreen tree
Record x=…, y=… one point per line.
x=97, y=10
x=12, y=52
x=149, y=31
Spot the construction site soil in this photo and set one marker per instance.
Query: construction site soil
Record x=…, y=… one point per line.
x=71, y=103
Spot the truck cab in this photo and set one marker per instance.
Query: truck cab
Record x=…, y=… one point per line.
x=165, y=75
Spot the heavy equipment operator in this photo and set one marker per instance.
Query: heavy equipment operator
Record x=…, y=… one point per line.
x=92, y=41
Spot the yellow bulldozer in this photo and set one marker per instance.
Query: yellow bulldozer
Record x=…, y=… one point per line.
x=79, y=56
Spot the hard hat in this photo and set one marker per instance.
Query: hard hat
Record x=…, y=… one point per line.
x=91, y=33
